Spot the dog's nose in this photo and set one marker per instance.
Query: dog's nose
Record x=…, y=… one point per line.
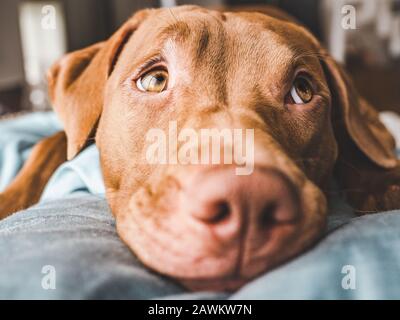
x=241, y=206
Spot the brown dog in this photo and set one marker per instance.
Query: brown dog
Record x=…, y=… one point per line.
x=203, y=224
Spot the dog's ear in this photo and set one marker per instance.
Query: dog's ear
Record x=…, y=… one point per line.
x=359, y=119
x=367, y=167
x=76, y=84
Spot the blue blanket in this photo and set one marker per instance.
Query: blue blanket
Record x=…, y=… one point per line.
x=67, y=247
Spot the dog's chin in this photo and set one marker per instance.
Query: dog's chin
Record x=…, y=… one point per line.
x=202, y=272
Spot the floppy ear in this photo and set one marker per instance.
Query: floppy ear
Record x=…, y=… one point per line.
x=76, y=84
x=367, y=167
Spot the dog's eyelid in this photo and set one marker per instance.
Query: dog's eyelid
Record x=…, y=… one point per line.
x=294, y=72
x=304, y=74
x=156, y=62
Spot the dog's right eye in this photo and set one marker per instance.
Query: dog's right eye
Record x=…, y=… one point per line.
x=153, y=81
x=301, y=91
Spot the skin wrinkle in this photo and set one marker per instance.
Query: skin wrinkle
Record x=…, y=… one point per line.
x=203, y=42
x=208, y=53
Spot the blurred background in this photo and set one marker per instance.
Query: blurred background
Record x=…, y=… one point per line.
x=364, y=35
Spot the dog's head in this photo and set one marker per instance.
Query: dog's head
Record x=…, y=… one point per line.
x=183, y=70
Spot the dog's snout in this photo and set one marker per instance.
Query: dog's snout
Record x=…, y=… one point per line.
x=265, y=196
x=241, y=207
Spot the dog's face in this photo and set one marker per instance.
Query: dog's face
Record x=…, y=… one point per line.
x=206, y=223
x=203, y=223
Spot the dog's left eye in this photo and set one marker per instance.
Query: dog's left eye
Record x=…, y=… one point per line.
x=301, y=91
x=153, y=81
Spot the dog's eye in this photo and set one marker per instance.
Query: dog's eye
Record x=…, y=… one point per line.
x=301, y=91
x=153, y=81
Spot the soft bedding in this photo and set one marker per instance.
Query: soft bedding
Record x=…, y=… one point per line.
x=70, y=235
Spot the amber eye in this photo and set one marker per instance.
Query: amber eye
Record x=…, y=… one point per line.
x=301, y=91
x=153, y=81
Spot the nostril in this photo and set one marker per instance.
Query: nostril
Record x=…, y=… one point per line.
x=267, y=216
x=217, y=212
